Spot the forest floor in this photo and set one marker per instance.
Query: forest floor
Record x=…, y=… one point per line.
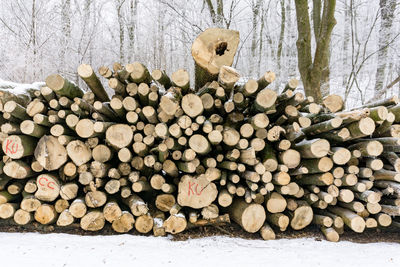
x=231, y=230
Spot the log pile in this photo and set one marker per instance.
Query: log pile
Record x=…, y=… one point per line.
x=162, y=157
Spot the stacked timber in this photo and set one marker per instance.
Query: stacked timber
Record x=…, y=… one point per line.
x=159, y=156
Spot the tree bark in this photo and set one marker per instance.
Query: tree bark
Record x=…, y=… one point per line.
x=311, y=71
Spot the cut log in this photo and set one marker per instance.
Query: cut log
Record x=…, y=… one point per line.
x=79, y=152
x=330, y=234
x=192, y=105
x=250, y=217
x=93, y=221
x=112, y=211
x=196, y=192
x=16, y=110
x=199, y=144
x=65, y=218
x=144, y=223
x=265, y=101
x=180, y=78
x=275, y=203
x=61, y=205
x=86, y=72
x=175, y=223
x=165, y=202
x=211, y=50
x=333, y=103
x=137, y=205
x=138, y=73
x=161, y=77
x=7, y=210
x=22, y=217
x=266, y=232
x=119, y=135
x=301, y=216
x=268, y=77
x=50, y=153
x=78, y=208
x=30, y=128
x=18, y=169
x=351, y=219
x=48, y=187
x=227, y=77
x=124, y=223
x=361, y=128
x=18, y=146
x=316, y=148
x=279, y=219
x=63, y=87
x=46, y=214
x=95, y=199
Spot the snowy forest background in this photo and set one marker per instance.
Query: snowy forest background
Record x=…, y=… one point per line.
x=41, y=37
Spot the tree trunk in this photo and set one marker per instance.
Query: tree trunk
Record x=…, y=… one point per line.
x=312, y=71
x=387, y=8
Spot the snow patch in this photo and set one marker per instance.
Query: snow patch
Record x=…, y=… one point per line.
x=32, y=249
x=19, y=88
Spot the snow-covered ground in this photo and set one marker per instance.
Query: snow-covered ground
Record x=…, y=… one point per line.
x=32, y=249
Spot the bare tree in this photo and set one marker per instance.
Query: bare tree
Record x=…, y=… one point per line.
x=130, y=23
x=387, y=8
x=255, y=7
x=217, y=14
x=311, y=70
x=281, y=35
x=66, y=32
x=121, y=27
x=346, y=39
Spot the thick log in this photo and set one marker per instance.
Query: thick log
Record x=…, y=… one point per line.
x=30, y=128
x=138, y=73
x=361, y=128
x=124, y=223
x=275, y=202
x=50, y=153
x=196, y=192
x=250, y=217
x=316, y=148
x=144, y=223
x=48, y=187
x=93, y=221
x=301, y=216
x=46, y=214
x=119, y=135
x=211, y=50
x=161, y=77
x=265, y=101
x=175, y=223
x=18, y=169
x=333, y=103
x=95, y=199
x=22, y=217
